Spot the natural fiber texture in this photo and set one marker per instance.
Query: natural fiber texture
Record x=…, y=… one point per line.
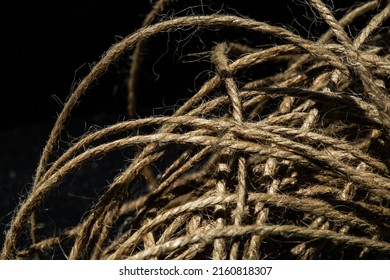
x=293, y=165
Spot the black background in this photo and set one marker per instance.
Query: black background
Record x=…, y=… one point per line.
x=51, y=45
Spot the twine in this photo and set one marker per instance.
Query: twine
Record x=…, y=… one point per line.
x=291, y=165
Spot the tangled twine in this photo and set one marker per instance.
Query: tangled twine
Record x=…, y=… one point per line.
x=291, y=165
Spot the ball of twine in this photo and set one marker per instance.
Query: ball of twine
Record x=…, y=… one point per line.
x=294, y=165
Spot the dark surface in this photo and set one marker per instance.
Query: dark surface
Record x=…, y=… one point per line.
x=50, y=47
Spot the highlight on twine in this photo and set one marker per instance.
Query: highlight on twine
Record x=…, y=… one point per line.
x=291, y=164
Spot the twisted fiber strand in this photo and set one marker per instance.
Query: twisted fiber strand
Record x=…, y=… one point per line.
x=261, y=210
x=375, y=22
x=172, y=228
x=303, y=250
x=306, y=252
x=375, y=93
x=41, y=192
x=332, y=22
x=316, y=190
x=124, y=176
x=190, y=21
x=157, y=8
x=347, y=194
x=132, y=205
x=302, y=59
x=34, y=199
x=131, y=170
x=370, y=58
x=335, y=76
x=261, y=213
x=102, y=232
x=284, y=230
x=318, y=155
x=223, y=169
x=305, y=127
x=148, y=239
x=342, y=98
x=114, y=187
x=94, y=135
x=304, y=204
x=177, y=163
x=122, y=238
x=219, y=125
x=95, y=223
x=225, y=72
x=370, y=111
x=131, y=242
x=178, y=177
x=224, y=166
x=80, y=246
x=377, y=210
x=101, y=207
x=72, y=232
x=48, y=242
x=307, y=205
x=169, y=183
x=320, y=190
x=347, y=151
x=193, y=226
x=344, y=21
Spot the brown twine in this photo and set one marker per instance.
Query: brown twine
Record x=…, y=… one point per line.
x=291, y=165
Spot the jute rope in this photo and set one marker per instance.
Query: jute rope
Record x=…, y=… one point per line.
x=291, y=165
